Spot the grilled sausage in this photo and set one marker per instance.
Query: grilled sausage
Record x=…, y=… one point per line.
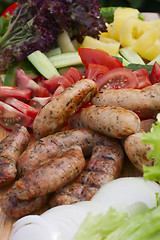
x=51, y=176
x=16, y=208
x=115, y=122
x=10, y=149
x=53, y=116
x=137, y=151
x=46, y=148
x=104, y=166
x=147, y=124
x=146, y=99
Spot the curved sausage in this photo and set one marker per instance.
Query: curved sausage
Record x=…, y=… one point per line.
x=16, y=208
x=115, y=122
x=46, y=148
x=53, y=116
x=51, y=176
x=146, y=99
x=137, y=151
x=104, y=165
x=10, y=149
x=147, y=124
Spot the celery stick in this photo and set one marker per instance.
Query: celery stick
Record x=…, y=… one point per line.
x=65, y=59
x=65, y=42
x=124, y=61
x=43, y=64
x=130, y=55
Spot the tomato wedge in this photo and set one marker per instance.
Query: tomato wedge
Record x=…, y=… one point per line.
x=22, y=107
x=64, y=81
x=155, y=74
x=16, y=92
x=9, y=10
x=118, y=78
x=143, y=78
x=75, y=74
x=95, y=56
x=9, y=116
x=94, y=71
x=24, y=81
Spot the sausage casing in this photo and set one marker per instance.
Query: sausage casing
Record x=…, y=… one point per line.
x=53, y=116
x=115, y=122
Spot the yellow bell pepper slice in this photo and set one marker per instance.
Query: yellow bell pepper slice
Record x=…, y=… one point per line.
x=120, y=15
x=90, y=42
x=146, y=40
x=153, y=51
x=131, y=30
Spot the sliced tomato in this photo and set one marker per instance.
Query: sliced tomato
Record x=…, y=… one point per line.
x=24, y=81
x=94, y=71
x=155, y=74
x=22, y=107
x=118, y=78
x=75, y=74
x=9, y=10
x=143, y=78
x=38, y=102
x=95, y=56
x=64, y=81
x=20, y=93
x=9, y=116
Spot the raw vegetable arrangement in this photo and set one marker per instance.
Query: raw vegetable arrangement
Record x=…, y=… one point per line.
x=95, y=72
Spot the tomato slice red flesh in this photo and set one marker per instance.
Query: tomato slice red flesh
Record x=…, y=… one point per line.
x=24, y=81
x=22, y=107
x=20, y=93
x=95, y=56
x=9, y=10
x=118, y=78
x=143, y=78
x=9, y=116
x=155, y=74
x=94, y=71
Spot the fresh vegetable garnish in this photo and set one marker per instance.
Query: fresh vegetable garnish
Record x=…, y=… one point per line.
x=36, y=25
x=10, y=10
x=16, y=92
x=153, y=138
x=95, y=56
x=155, y=74
x=10, y=116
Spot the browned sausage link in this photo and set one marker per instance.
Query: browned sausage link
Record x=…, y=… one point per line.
x=42, y=150
x=137, y=151
x=104, y=166
x=115, y=122
x=53, y=116
x=51, y=176
x=147, y=124
x=10, y=149
x=16, y=208
x=146, y=99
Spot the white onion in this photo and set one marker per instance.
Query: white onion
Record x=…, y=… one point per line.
x=58, y=223
x=62, y=222
x=123, y=192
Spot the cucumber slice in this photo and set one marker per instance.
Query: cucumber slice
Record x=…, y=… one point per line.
x=10, y=78
x=65, y=59
x=53, y=52
x=130, y=55
x=43, y=64
x=157, y=59
x=124, y=61
x=65, y=43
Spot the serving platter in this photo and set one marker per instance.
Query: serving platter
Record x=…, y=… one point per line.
x=128, y=170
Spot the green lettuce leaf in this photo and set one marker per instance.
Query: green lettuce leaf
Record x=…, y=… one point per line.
x=153, y=173
x=100, y=226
